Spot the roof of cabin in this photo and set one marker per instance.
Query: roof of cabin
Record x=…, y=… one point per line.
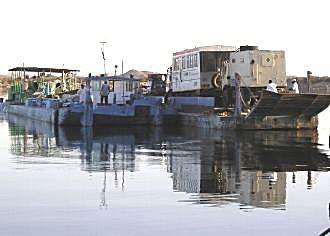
x=211, y=48
x=129, y=75
x=39, y=69
x=112, y=78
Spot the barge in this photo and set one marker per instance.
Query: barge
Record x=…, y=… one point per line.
x=236, y=80
x=214, y=87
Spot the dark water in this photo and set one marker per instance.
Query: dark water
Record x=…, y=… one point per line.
x=143, y=181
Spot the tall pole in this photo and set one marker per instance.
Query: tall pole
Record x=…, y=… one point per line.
x=103, y=56
x=23, y=71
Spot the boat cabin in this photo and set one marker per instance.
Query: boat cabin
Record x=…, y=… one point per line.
x=121, y=88
x=194, y=69
x=157, y=84
x=207, y=68
x=42, y=82
x=257, y=67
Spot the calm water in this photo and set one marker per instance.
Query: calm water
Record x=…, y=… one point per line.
x=143, y=181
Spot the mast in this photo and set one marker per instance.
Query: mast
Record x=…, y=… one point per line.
x=122, y=66
x=103, y=56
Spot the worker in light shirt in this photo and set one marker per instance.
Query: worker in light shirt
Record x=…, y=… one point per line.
x=271, y=87
x=104, y=93
x=81, y=93
x=295, y=87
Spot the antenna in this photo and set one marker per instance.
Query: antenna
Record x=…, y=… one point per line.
x=122, y=66
x=103, y=56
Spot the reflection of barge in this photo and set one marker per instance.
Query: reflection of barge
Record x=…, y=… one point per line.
x=250, y=168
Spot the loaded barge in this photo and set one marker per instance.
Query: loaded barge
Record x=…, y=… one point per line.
x=236, y=80
x=216, y=87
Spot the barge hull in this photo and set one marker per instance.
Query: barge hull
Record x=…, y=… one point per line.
x=37, y=113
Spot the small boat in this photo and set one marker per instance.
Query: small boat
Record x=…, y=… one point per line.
x=41, y=82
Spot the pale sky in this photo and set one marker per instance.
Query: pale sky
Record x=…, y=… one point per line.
x=145, y=33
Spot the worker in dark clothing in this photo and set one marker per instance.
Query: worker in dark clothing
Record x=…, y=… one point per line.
x=228, y=93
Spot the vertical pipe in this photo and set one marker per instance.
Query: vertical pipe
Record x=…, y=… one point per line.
x=23, y=71
x=309, y=76
x=123, y=83
x=238, y=106
x=87, y=117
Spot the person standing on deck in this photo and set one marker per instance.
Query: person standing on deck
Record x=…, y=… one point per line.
x=104, y=92
x=228, y=93
x=82, y=94
x=271, y=87
x=58, y=88
x=295, y=87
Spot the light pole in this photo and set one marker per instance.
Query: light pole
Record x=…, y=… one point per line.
x=102, y=50
x=116, y=66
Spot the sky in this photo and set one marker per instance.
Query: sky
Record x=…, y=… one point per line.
x=145, y=33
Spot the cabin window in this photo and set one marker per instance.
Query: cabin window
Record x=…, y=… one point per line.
x=177, y=63
x=233, y=60
x=241, y=60
x=195, y=61
x=208, y=62
x=126, y=85
x=189, y=61
x=129, y=85
x=211, y=61
x=184, y=62
x=111, y=85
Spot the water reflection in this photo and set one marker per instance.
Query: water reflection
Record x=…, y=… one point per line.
x=248, y=168
x=215, y=168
